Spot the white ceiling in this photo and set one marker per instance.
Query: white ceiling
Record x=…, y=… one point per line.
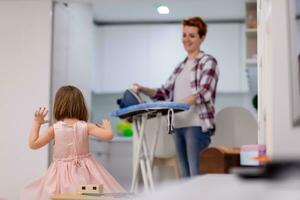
x=145, y=10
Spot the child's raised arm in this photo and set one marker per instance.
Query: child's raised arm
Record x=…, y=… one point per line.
x=36, y=140
x=103, y=131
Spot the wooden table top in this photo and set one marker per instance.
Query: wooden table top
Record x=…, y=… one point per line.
x=105, y=196
x=79, y=197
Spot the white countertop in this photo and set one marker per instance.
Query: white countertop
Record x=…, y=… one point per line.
x=115, y=139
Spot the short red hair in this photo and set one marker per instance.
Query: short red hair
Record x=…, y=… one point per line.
x=196, y=22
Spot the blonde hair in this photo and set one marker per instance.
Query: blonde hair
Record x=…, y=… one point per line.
x=69, y=103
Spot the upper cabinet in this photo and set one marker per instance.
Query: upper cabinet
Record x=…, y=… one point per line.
x=120, y=58
x=226, y=43
x=147, y=54
x=126, y=54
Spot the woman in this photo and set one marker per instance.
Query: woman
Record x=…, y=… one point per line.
x=194, y=81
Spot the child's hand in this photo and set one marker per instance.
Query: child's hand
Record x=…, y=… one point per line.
x=106, y=124
x=39, y=116
x=102, y=130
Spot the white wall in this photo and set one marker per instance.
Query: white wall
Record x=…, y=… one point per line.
x=25, y=38
x=73, y=47
x=281, y=137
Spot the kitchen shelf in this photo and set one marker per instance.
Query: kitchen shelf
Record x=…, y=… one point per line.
x=251, y=30
x=251, y=61
x=251, y=44
x=121, y=139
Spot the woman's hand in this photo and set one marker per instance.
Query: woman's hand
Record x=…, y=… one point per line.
x=39, y=116
x=137, y=88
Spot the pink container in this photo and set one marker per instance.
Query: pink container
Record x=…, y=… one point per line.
x=250, y=154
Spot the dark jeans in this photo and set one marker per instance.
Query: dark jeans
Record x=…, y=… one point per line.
x=189, y=142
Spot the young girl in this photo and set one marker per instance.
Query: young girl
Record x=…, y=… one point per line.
x=72, y=164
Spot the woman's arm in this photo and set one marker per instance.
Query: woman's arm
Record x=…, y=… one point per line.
x=163, y=93
x=36, y=140
x=145, y=90
x=103, y=131
x=207, y=82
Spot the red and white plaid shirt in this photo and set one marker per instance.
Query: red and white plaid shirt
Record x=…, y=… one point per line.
x=203, y=82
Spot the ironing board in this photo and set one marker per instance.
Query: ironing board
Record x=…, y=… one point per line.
x=142, y=154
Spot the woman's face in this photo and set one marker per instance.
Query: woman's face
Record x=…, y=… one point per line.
x=191, y=39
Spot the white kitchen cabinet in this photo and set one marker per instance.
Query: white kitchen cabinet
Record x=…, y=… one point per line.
x=165, y=52
x=122, y=58
x=226, y=43
x=147, y=54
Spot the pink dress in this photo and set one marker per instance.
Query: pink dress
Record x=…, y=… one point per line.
x=72, y=166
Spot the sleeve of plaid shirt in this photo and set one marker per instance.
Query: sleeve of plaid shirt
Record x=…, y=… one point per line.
x=164, y=93
x=207, y=82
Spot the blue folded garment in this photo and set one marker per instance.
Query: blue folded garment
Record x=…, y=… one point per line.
x=129, y=98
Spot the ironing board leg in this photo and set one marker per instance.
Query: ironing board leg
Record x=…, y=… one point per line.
x=142, y=155
x=153, y=147
x=138, y=153
x=150, y=175
x=144, y=175
x=135, y=159
x=147, y=162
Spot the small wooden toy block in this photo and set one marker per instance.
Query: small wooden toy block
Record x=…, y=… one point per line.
x=91, y=189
